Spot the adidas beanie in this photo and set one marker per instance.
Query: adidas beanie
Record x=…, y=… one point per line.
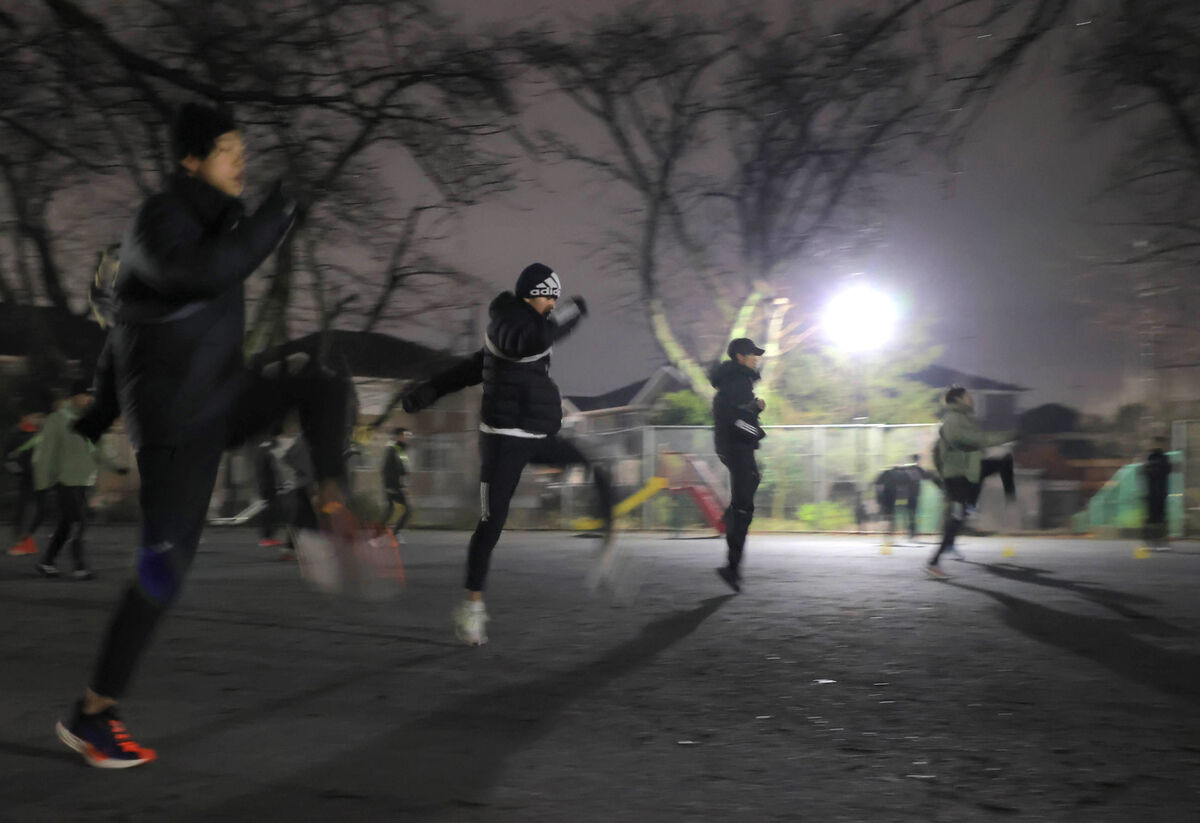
x=538, y=280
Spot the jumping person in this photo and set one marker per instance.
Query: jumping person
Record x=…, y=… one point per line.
x=958, y=458
x=395, y=472
x=18, y=460
x=1156, y=472
x=173, y=366
x=736, y=433
x=520, y=417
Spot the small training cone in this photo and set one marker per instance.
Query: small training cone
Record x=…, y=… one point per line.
x=1008, y=551
x=1141, y=553
x=886, y=547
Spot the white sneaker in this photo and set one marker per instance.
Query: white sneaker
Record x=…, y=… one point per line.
x=470, y=618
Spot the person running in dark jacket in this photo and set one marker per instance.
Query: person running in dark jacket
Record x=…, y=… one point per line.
x=1156, y=472
x=395, y=474
x=18, y=461
x=736, y=433
x=914, y=475
x=889, y=485
x=173, y=366
x=520, y=416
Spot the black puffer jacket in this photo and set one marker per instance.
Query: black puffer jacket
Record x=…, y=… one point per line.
x=176, y=351
x=519, y=398
x=735, y=408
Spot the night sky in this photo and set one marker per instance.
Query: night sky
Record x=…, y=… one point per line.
x=992, y=260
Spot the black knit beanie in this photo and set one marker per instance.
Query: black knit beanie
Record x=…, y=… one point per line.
x=538, y=280
x=197, y=127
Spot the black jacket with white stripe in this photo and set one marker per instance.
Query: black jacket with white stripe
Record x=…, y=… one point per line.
x=735, y=408
x=519, y=398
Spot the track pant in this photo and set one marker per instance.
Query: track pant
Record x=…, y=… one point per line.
x=72, y=520
x=961, y=493
x=502, y=459
x=914, y=501
x=393, y=498
x=743, y=483
x=178, y=480
x=887, y=511
x=1154, y=531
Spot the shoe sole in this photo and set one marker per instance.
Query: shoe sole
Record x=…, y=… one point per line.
x=84, y=749
x=935, y=576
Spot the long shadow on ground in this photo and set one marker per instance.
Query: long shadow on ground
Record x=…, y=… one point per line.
x=1117, y=601
x=1108, y=642
x=453, y=756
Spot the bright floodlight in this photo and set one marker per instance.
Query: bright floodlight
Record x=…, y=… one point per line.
x=859, y=319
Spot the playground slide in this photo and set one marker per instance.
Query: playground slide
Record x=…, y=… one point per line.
x=710, y=507
x=652, y=487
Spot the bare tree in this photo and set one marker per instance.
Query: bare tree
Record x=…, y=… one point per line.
x=334, y=96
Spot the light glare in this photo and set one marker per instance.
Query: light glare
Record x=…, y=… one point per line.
x=860, y=319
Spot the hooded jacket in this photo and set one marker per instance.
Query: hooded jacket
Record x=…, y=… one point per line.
x=961, y=443
x=176, y=349
x=519, y=397
x=735, y=408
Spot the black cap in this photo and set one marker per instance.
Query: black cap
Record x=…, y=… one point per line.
x=538, y=280
x=743, y=345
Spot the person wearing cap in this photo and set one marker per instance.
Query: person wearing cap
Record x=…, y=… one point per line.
x=395, y=472
x=520, y=417
x=174, y=368
x=65, y=465
x=736, y=432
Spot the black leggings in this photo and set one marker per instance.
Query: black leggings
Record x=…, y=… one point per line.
x=961, y=493
x=396, y=497
x=743, y=483
x=503, y=458
x=178, y=480
x=72, y=520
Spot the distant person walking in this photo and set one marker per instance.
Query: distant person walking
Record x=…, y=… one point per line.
x=959, y=460
x=1156, y=472
x=18, y=462
x=736, y=434
x=914, y=475
x=395, y=476
x=266, y=473
x=65, y=464
x=889, y=484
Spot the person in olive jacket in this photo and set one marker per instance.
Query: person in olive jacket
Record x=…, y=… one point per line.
x=65, y=464
x=959, y=460
x=520, y=416
x=173, y=366
x=736, y=432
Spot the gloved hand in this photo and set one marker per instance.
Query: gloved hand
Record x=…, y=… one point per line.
x=581, y=304
x=280, y=201
x=418, y=397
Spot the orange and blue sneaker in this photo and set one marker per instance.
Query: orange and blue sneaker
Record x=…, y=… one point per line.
x=102, y=740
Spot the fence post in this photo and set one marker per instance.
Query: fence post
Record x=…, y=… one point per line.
x=649, y=461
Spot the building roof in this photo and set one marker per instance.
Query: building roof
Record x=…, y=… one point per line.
x=941, y=377
x=642, y=393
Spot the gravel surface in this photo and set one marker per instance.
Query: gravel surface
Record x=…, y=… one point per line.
x=1059, y=683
